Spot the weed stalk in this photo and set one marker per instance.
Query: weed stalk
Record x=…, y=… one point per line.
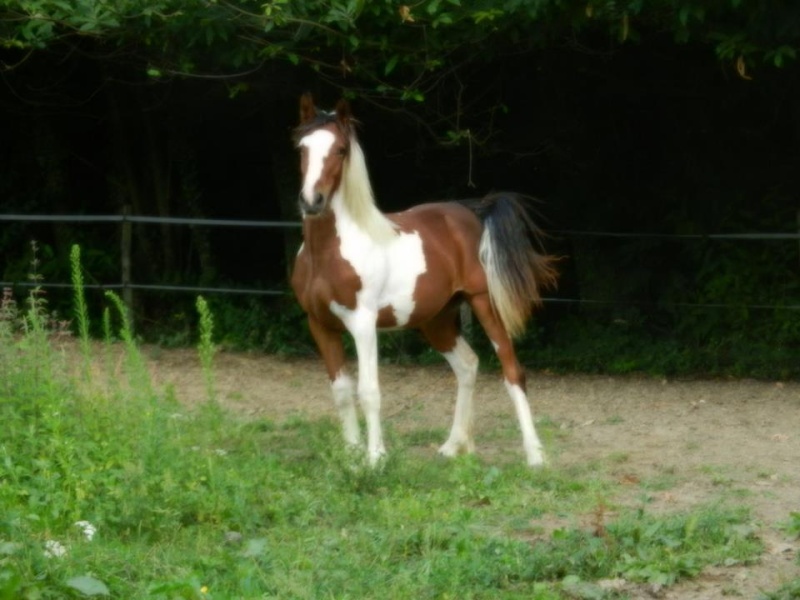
x=79, y=308
x=140, y=378
x=205, y=346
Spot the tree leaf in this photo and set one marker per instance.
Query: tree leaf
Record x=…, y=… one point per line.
x=390, y=65
x=88, y=586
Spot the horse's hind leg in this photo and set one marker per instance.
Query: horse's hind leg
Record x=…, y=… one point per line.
x=513, y=374
x=443, y=334
x=330, y=346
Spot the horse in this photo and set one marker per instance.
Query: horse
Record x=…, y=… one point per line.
x=361, y=271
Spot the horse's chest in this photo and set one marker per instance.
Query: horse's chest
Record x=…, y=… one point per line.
x=361, y=277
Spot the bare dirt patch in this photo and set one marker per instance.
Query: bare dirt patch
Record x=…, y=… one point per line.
x=679, y=443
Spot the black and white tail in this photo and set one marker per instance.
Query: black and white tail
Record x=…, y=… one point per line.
x=516, y=267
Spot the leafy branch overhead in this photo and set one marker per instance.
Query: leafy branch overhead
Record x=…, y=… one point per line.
x=381, y=47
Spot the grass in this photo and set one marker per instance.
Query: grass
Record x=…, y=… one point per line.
x=199, y=504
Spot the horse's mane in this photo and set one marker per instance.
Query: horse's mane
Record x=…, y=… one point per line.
x=359, y=199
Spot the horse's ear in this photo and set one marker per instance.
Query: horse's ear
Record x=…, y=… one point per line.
x=343, y=114
x=308, y=111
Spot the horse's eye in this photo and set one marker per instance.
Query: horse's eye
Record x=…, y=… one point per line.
x=342, y=151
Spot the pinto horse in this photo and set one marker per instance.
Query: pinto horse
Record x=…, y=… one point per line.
x=360, y=270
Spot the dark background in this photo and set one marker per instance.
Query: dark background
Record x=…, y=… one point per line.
x=647, y=139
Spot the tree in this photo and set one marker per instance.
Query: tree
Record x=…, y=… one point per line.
x=392, y=53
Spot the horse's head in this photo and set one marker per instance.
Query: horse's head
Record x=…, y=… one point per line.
x=324, y=142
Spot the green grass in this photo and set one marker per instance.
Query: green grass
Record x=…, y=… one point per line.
x=203, y=504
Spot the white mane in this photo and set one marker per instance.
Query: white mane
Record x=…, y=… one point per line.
x=359, y=200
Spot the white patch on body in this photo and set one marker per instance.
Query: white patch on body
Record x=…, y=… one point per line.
x=319, y=145
x=388, y=271
x=464, y=363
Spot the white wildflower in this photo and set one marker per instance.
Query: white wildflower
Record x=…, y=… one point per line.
x=221, y=452
x=54, y=549
x=88, y=529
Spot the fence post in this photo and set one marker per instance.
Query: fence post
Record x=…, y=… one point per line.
x=126, y=243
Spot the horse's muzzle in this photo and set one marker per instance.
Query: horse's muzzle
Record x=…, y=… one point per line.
x=315, y=207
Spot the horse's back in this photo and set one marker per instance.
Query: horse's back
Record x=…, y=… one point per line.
x=447, y=222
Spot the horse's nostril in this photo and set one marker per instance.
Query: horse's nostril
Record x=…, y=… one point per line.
x=312, y=205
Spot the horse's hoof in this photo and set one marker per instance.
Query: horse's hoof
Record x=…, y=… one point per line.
x=448, y=450
x=376, y=459
x=452, y=449
x=537, y=461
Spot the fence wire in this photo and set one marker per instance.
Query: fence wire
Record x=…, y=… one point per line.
x=193, y=222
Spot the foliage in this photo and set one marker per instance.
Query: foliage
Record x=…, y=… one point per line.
x=396, y=49
x=117, y=490
x=590, y=342
x=593, y=343
x=792, y=526
x=788, y=591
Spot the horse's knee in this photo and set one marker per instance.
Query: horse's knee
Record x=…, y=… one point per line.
x=512, y=370
x=463, y=361
x=370, y=399
x=516, y=376
x=343, y=391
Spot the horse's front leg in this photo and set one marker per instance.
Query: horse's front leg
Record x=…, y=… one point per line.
x=363, y=328
x=330, y=346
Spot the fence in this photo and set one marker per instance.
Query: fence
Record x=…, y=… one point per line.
x=128, y=286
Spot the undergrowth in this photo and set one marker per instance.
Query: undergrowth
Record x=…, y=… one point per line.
x=585, y=343
x=111, y=488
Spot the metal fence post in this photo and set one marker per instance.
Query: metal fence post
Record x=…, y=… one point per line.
x=126, y=241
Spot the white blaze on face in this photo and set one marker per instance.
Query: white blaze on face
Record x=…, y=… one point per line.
x=318, y=144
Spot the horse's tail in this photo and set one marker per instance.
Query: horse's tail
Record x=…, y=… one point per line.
x=517, y=269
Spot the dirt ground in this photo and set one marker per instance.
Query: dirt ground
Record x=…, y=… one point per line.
x=705, y=439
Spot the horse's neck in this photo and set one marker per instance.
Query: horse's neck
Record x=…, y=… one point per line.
x=354, y=200
x=318, y=234
x=363, y=221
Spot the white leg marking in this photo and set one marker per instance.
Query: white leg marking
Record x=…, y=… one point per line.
x=530, y=441
x=344, y=399
x=366, y=339
x=464, y=363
